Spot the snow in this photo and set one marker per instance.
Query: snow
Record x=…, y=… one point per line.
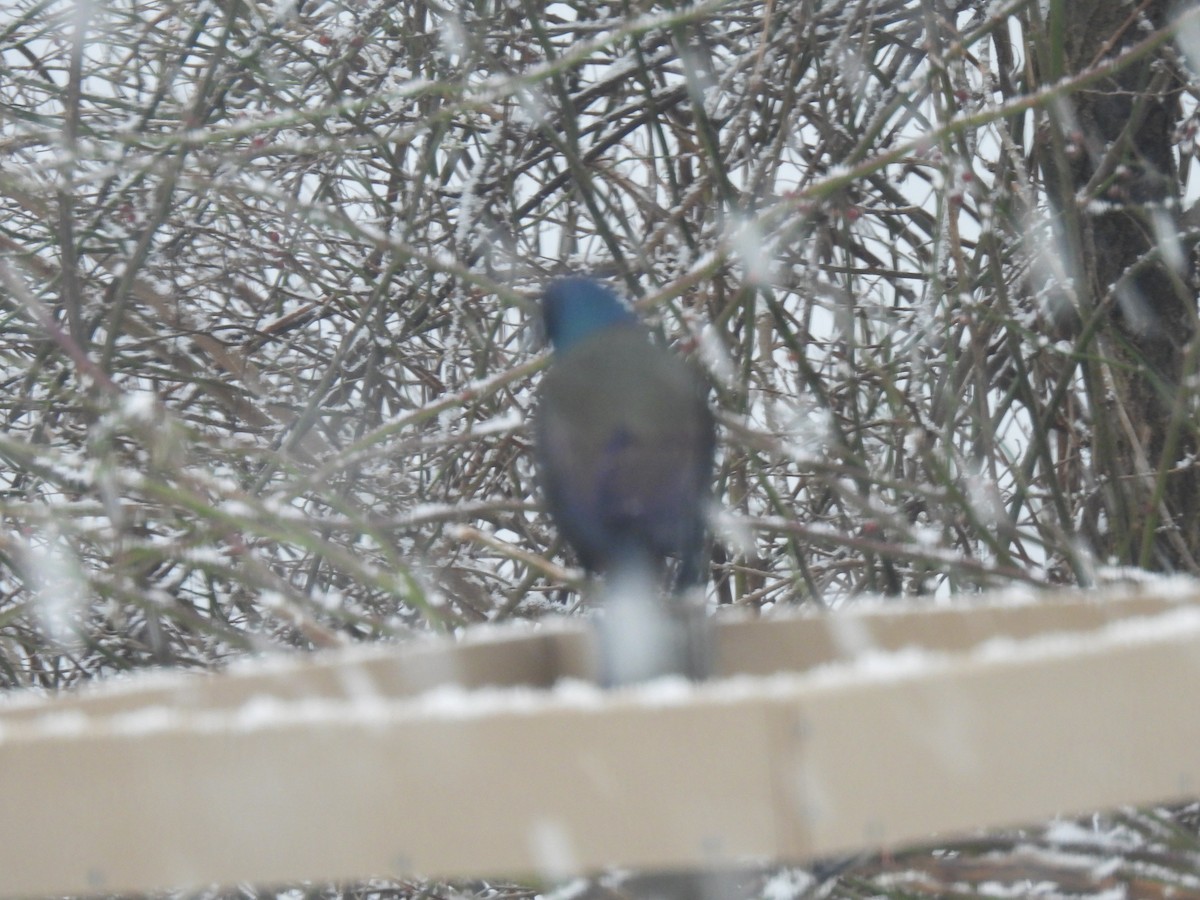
x=238, y=509
x=140, y=406
x=54, y=573
x=283, y=11
x=1067, y=831
x=366, y=705
x=715, y=356
x=788, y=884
x=753, y=249
x=510, y=420
x=1022, y=888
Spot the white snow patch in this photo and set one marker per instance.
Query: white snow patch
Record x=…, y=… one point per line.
x=505, y=422
x=140, y=406
x=283, y=11
x=1065, y=831
x=60, y=588
x=715, y=356
x=790, y=884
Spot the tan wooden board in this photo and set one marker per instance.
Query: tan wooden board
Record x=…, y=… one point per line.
x=858, y=728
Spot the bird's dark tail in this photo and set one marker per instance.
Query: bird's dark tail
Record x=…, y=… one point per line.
x=692, y=571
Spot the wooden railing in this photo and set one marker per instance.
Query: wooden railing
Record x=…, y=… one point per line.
x=868, y=727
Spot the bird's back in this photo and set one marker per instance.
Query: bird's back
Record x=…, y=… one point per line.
x=625, y=444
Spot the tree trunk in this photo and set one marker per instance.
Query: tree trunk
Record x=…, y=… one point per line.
x=1109, y=165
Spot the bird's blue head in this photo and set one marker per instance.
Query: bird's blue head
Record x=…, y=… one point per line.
x=574, y=308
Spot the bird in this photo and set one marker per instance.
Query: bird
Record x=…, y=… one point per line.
x=624, y=450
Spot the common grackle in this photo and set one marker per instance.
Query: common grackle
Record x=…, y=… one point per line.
x=624, y=447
